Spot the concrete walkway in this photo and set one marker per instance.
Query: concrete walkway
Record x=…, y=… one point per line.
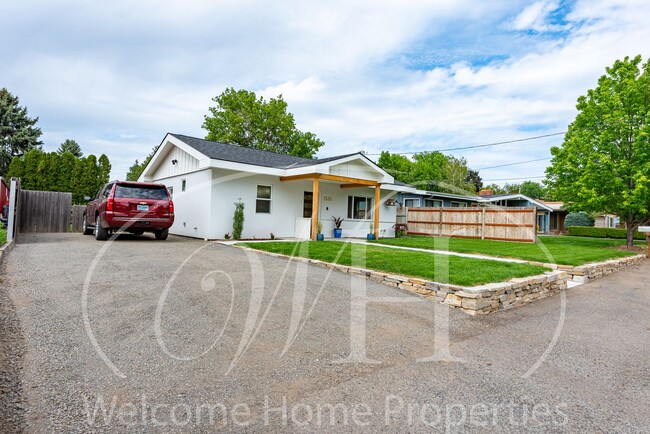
x=439, y=252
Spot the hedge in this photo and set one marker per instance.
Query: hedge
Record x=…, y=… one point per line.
x=588, y=231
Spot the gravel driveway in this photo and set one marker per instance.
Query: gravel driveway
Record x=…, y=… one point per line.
x=136, y=349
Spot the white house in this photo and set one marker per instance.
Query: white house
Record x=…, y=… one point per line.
x=280, y=193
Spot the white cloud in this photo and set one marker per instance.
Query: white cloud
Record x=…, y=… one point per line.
x=534, y=17
x=118, y=77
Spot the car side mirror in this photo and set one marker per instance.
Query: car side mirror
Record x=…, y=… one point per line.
x=87, y=198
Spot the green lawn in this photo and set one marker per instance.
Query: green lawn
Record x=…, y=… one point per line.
x=450, y=269
x=556, y=249
x=3, y=237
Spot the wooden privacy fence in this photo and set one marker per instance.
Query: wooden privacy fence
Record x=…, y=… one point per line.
x=506, y=224
x=77, y=217
x=44, y=211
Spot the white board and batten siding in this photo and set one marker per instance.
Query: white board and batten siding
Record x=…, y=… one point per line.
x=355, y=169
x=185, y=163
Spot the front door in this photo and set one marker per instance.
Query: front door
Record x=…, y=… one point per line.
x=307, y=204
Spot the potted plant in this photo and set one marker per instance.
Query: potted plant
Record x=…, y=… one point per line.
x=319, y=232
x=371, y=235
x=338, y=232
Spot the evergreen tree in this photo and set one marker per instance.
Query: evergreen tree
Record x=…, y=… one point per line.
x=70, y=146
x=18, y=133
x=104, y=169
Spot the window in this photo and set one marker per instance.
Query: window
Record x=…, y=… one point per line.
x=107, y=192
x=183, y=184
x=141, y=192
x=171, y=192
x=433, y=203
x=458, y=205
x=359, y=208
x=263, y=202
x=412, y=203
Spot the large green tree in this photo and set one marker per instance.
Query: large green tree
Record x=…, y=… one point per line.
x=604, y=163
x=429, y=171
x=70, y=146
x=241, y=117
x=18, y=133
x=533, y=189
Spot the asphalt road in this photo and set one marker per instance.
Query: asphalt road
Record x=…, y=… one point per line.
x=139, y=335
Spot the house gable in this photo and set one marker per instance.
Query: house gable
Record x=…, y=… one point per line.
x=160, y=166
x=175, y=162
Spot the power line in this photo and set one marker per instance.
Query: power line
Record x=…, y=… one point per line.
x=513, y=179
x=481, y=146
x=514, y=164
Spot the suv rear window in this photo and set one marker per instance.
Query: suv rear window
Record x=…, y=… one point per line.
x=141, y=192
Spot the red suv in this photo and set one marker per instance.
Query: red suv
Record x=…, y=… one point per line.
x=134, y=207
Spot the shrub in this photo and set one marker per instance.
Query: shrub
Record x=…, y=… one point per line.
x=238, y=220
x=587, y=231
x=578, y=219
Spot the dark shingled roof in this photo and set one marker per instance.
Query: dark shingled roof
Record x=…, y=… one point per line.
x=257, y=157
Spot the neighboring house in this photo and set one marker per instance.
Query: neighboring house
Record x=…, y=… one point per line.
x=607, y=221
x=280, y=192
x=411, y=197
x=519, y=200
x=556, y=224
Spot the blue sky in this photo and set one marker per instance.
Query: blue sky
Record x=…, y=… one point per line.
x=363, y=75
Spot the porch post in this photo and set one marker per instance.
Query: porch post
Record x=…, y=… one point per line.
x=376, y=210
x=314, y=208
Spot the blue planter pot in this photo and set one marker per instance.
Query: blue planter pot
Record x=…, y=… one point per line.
x=370, y=237
x=338, y=232
x=320, y=237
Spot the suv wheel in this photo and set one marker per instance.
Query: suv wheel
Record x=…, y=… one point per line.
x=84, y=226
x=162, y=235
x=101, y=234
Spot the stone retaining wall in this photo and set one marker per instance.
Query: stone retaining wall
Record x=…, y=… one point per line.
x=587, y=272
x=488, y=298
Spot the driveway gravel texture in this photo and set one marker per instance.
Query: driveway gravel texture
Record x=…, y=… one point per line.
x=157, y=311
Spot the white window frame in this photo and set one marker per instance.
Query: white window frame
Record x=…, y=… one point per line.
x=434, y=203
x=458, y=204
x=419, y=202
x=269, y=199
x=369, y=207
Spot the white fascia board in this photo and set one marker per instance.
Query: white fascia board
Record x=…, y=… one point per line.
x=324, y=167
x=517, y=196
x=452, y=196
x=162, y=150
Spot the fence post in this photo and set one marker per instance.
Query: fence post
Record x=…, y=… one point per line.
x=483, y=223
x=440, y=222
x=534, y=224
x=11, y=218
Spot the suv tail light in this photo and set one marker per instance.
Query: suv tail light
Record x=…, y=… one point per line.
x=109, y=204
x=171, y=207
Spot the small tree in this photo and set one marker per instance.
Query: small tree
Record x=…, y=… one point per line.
x=136, y=169
x=238, y=220
x=580, y=218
